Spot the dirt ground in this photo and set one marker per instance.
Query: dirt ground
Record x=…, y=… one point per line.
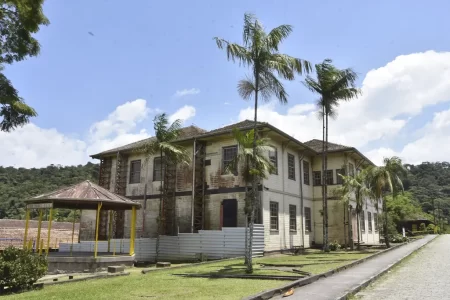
x=12, y=233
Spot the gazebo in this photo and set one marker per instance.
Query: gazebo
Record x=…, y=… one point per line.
x=82, y=196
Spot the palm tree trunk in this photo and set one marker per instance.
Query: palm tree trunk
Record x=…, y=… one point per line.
x=254, y=179
x=385, y=224
x=325, y=185
x=246, y=214
x=323, y=181
x=358, y=226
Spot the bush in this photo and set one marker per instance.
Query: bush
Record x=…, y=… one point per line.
x=397, y=238
x=422, y=227
x=430, y=228
x=335, y=246
x=19, y=268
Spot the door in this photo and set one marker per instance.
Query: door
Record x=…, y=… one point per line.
x=229, y=212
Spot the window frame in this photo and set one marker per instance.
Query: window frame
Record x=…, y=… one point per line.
x=330, y=179
x=292, y=218
x=351, y=170
x=275, y=162
x=369, y=221
x=339, y=179
x=291, y=167
x=235, y=172
x=157, y=173
x=307, y=217
x=375, y=221
x=362, y=221
x=132, y=179
x=306, y=172
x=319, y=178
x=274, y=205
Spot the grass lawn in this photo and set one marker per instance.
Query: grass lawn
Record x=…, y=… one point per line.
x=164, y=285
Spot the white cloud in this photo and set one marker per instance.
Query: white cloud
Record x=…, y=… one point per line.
x=31, y=146
x=185, y=92
x=184, y=113
x=391, y=96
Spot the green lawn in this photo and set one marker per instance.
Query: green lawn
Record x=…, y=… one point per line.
x=164, y=285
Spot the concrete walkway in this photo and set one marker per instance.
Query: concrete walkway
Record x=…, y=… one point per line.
x=338, y=285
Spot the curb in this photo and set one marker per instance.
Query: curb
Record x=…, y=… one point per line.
x=302, y=282
x=98, y=276
x=384, y=271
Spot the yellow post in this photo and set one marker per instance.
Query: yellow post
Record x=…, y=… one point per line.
x=49, y=229
x=73, y=232
x=30, y=244
x=41, y=247
x=114, y=248
x=99, y=206
x=27, y=221
x=38, y=239
x=110, y=230
x=133, y=229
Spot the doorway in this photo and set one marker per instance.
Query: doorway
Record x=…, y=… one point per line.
x=229, y=212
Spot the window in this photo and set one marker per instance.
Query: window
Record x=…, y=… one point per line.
x=363, y=222
x=375, y=221
x=317, y=180
x=307, y=219
x=306, y=172
x=273, y=215
x=135, y=171
x=351, y=170
x=369, y=220
x=339, y=179
x=228, y=155
x=292, y=217
x=329, y=177
x=291, y=166
x=157, y=166
x=273, y=158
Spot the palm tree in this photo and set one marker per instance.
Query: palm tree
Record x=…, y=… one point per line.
x=387, y=179
x=355, y=188
x=260, y=52
x=252, y=164
x=333, y=86
x=170, y=154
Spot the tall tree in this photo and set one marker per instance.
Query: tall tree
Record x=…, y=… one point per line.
x=387, y=179
x=355, y=188
x=19, y=20
x=333, y=86
x=260, y=52
x=170, y=154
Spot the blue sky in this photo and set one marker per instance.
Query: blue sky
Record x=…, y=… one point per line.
x=151, y=49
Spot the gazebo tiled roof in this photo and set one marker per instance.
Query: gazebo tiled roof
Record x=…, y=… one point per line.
x=84, y=195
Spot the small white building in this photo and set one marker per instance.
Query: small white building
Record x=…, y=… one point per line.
x=204, y=198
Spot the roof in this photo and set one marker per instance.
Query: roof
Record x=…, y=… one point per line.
x=317, y=146
x=84, y=195
x=240, y=125
x=185, y=133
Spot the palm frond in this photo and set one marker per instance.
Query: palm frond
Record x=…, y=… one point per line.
x=270, y=85
x=277, y=35
x=246, y=88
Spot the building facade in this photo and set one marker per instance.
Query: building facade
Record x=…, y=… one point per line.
x=201, y=196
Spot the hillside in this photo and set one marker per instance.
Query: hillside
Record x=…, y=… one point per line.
x=19, y=184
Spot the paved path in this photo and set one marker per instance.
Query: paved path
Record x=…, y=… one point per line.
x=425, y=276
x=337, y=285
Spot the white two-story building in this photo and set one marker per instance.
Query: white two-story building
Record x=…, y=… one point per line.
x=203, y=197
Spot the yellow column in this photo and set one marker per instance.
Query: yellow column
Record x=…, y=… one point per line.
x=110, y=230
x=49, y=229
x=38, y=239
x=73, y=230
x=99, y=206
x=133, y=229
x=27, y=221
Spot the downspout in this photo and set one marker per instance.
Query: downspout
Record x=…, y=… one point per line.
x=193, y=186
x=302, y=216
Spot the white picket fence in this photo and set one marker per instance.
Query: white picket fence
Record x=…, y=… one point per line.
x=214, y=244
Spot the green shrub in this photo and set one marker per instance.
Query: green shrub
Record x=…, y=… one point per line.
x=397, y=238
x=19, y=268
x=335, y=246
x=422, y=227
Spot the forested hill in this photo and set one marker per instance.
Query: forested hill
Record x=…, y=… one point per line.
x=19, y=184
x=429, y=183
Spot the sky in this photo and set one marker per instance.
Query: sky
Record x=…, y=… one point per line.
x=106, y=69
